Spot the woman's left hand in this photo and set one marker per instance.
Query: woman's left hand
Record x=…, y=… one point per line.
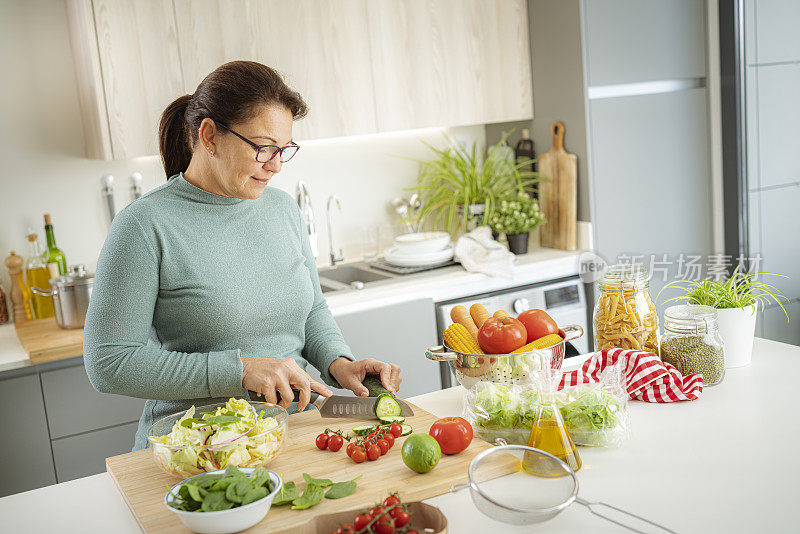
x=350, y=374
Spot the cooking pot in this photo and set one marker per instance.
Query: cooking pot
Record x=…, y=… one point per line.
x=71, y=295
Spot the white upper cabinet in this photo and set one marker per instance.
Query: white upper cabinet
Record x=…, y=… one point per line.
x=363, y=66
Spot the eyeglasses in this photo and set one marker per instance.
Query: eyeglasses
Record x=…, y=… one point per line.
x=265, y=153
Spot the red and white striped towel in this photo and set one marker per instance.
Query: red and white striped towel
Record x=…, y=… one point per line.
x=647, y=378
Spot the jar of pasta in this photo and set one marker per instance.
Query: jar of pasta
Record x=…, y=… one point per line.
x=691, y=342
x=625, y=316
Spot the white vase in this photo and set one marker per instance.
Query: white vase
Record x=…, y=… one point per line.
x=737, y=326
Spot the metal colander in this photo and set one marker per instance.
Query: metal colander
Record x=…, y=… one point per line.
x=520, y=368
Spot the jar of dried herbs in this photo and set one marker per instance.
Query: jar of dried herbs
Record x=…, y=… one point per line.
x=691, y=342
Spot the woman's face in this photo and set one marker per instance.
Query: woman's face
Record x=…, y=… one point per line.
x=236, y=170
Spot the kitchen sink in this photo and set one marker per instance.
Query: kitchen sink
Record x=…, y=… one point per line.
x=348, y=274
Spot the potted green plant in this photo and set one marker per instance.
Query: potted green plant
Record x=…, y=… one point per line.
x=737, y=301
x=461, y=186
x=516, y=215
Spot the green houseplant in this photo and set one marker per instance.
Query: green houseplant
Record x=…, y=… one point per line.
x=457, y=179
x=516, y=215
x=737, y=301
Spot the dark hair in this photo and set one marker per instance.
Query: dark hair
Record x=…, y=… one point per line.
x=231, y=94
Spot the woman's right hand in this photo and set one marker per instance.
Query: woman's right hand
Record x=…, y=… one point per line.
x=268, y=376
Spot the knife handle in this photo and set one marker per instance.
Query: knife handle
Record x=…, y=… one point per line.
x=260, y=398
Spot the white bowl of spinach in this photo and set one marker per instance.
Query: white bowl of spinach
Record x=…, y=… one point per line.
x=224, y=501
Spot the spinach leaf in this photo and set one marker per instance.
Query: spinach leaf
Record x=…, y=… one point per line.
x=287, y=494
x=321, y=482
x=342, y=489
x=311, y=496
x=215, y=501
x=236, y=491
x=194, y=492
x=254, y=495
x=260, y=477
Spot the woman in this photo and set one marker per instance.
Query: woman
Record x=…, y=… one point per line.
x=206, y=286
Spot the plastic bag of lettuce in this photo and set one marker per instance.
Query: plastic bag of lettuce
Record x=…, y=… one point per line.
x=596, y=414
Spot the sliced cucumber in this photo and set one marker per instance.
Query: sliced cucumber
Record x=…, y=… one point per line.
x=362, y=430
x=386, y=405
x=389, y=419
x=406, y=430
x=374, y=386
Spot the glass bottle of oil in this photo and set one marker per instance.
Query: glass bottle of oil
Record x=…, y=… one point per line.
x=53, y=256
x=549, y=434
x=37, y=275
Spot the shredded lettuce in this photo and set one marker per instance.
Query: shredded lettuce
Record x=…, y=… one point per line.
x=234, y=434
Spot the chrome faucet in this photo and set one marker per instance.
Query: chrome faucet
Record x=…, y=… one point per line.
x=304, y=201
x=334, y=255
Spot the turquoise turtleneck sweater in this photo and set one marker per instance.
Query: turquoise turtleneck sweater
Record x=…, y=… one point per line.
x=189, y=282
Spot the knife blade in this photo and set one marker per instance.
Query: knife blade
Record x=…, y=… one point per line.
x=340, y=406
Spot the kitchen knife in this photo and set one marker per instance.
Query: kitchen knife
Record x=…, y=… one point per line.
x=340, y=406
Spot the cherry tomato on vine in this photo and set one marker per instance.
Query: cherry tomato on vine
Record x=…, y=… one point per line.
x=350, y=448
x=362, y=520
x=373, y=452
x=335, y=442
x=396, y=429
x=391, y=500
x=384, y=525
x=358, y=455
x=400, y=516
x=322, y=441
x=346, y=529
x=383, y=445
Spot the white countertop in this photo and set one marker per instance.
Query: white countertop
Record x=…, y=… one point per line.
x=723, y=463
x=539, y=265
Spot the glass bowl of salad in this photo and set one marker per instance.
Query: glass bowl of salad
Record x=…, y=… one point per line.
x=238, y=433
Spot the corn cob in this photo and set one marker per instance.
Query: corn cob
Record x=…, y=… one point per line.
x=542, y=343
x=458, y=338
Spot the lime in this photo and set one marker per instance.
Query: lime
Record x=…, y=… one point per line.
x=421, y=452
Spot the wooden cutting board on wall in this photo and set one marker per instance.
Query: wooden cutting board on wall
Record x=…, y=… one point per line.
x=558, y=196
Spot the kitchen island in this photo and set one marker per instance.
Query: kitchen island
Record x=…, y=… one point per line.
x=719, y=464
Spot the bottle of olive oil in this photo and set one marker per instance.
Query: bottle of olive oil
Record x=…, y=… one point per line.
x=53, y=257
x=549, y=434
x=37, y=275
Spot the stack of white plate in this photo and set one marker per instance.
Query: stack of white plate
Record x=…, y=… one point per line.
x=420, y=249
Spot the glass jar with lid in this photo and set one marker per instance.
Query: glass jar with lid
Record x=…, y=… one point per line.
x=691, y=342
x=625, y=316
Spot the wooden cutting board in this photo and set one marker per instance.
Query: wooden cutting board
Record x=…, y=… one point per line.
x=45, y=341
x=558, y=196
x=142, y=483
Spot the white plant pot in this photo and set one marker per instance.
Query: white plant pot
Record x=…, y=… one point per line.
x=737, y=326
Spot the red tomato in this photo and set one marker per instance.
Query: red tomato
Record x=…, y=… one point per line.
x=350, y=448
x=359, y=455
x=384, y=525
x=537, y=324
x=396, y=429
x=400, y=516
x=412, y=531
x=346, y=529
x=454, y=434
x=389, y=438
x=390, y=501
x=322, y=441
x=501, y=335
x=383, y=445
x=335, y=442
x=362, y=520
x=378, y=510
x=373, y=452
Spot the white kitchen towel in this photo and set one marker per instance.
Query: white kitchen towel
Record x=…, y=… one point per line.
x=479, y=253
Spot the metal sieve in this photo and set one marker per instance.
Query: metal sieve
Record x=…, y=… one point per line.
x=544, y=496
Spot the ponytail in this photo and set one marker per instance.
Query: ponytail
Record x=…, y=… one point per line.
x=173, y=139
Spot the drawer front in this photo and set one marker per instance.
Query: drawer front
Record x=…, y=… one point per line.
x=74, y=406
x=85, y=454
